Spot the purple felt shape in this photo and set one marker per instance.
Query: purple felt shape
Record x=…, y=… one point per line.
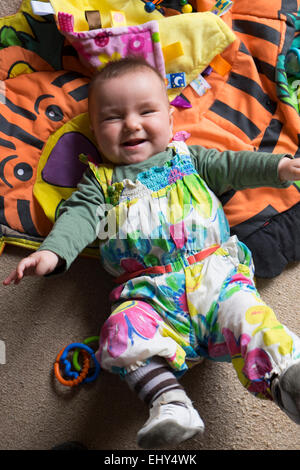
x=180, y=102
x=63, y=167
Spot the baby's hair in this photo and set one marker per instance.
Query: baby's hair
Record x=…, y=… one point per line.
x=120, y=67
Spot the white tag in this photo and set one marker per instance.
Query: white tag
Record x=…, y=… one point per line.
x=42, y=8
x=200, y=85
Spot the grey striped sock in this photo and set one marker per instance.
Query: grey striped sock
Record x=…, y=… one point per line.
x=151, y=380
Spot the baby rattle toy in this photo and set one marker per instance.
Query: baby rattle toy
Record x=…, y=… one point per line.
x=150, y=6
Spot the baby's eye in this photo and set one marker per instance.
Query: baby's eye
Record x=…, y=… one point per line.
x=148, y=111
x=112, y=118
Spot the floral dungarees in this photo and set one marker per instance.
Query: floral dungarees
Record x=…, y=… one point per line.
x=186, y=287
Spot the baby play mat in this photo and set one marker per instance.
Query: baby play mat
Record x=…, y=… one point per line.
x=228, y=77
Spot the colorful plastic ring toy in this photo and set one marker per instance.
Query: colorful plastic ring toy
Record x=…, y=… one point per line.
x=91, y=353
x=80, y=377
x=89, y=340
x=76, y=378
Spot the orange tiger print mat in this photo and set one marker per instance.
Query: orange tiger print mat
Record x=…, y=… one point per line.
x=43, y=124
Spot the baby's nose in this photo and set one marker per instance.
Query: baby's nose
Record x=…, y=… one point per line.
x=132, y=122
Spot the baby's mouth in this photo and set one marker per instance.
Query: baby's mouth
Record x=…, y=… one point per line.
x=133, y=142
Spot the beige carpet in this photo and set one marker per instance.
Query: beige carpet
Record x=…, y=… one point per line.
x=40, y=316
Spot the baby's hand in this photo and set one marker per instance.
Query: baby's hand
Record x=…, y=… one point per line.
x=39, y=263
x=289, y=169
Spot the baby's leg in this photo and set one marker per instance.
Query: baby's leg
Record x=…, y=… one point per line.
x=130, y=344
x=172, y=418
x=265, y=353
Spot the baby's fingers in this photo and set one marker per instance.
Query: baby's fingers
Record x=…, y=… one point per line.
x=10, y=278
x=26, y=267
x=294, y=173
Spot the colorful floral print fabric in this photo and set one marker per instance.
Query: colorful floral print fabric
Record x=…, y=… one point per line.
x=207, y=309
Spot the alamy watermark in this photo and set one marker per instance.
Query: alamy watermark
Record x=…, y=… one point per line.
x=139, y=220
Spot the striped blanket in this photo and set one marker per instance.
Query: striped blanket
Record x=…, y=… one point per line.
x=254, y=106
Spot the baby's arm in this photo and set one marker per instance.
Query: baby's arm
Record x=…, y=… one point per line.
x=75, y=228
x=289, y=169
x=239, y=170
x=38, y=263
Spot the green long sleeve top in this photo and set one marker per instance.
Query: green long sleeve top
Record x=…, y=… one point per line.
x=76, y=226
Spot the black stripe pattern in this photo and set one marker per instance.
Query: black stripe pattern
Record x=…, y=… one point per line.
x=3, y=220
x=237, y=118
x=7, y=144
x=265, y=68
x=252, y=88
x=13, y=130
x=66, y=78
x=271, y=136
x=259, y=30
x=19, y=110
x=80, y=93
x=23, y=208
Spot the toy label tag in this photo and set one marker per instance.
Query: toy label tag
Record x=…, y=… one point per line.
x=42, y=8
x=221, y=7
x=200, y=85
x=93, y=19
x=118, y=18
x=176, y=80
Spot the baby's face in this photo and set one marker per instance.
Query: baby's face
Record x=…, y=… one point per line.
x=131, y=117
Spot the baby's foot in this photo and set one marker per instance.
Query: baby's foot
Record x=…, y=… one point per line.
x=286, y=391
x=170, y=422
